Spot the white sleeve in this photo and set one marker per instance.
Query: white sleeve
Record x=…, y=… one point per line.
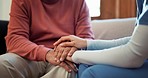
x=104, y=44
x=130, y=55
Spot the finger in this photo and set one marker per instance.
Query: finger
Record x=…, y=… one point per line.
x=72, y=66
x=59, y=54
x=69, y=59
x=73, y=49
x=50, y=58
x=67, y=44
x=56, y=52
x=55, y=48
x=65, y=53
x=66, y=38
x=65, y=66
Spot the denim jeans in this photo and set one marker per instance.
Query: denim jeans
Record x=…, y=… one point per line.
x=107, y=71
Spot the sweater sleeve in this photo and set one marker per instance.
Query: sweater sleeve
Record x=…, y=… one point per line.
x=17, y=39
x=83, y=26
x=104, y=44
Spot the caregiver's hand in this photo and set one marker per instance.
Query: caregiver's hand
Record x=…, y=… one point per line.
x=72, y=41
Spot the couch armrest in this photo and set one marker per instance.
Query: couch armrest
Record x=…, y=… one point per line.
x=113, y=28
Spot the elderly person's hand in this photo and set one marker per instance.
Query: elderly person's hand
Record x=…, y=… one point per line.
x=63, y=52
x=67, y=65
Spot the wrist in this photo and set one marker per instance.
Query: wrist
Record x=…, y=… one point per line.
x=48, y=54
x=84, y=43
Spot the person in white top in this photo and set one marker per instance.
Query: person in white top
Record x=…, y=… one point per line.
x=120, y=58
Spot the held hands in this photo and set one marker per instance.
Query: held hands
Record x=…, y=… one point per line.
x=64, y=49
x=67, y=45
x=67, y=65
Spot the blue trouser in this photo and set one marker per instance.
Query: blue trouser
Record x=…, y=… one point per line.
x=106, y=71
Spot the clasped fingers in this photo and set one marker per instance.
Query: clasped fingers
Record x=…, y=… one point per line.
x=68, y=66
x=61, y=53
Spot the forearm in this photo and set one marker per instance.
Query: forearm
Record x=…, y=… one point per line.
x=130, y=55
x=26, y=48
x=115, y=56
x=104, y=44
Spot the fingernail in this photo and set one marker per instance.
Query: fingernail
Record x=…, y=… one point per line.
x=61, y=59
x=58, y=61
x=69, y=54
x=69, y=70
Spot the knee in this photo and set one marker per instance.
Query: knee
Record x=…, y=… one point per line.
x=8, y=59
x=5, y=66
x=97, y=71
x=84, y=66
x=88, y=73
x=9, y=66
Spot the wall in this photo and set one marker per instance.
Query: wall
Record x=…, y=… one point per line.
x=109, y=9
x=5, y=9
x=117, y=9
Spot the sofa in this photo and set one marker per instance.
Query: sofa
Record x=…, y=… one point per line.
x=3, y=32
x=102, y=29
x=113, y=28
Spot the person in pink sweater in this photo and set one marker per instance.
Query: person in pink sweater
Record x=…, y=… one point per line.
x=33, y=28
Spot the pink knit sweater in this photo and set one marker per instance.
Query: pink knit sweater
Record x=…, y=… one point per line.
x=34, y=25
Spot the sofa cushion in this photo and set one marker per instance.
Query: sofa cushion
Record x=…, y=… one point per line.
x=113, y=28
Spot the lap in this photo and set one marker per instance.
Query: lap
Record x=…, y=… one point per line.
x=12, y=66
x=58, y=72
x=16, y=66
x=105, y=71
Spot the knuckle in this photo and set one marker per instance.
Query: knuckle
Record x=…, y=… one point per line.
x=64, y=56
x=66, y=51
x=62, y=64
x=59, y=53
x=58, y=56
x=71, y=35
x=73, y=43
x=74, y=48
x=62, y=38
